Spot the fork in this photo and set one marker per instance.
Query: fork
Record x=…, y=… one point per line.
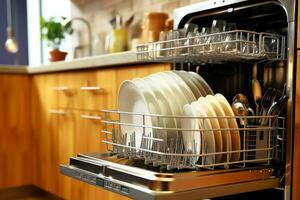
x=267, y=101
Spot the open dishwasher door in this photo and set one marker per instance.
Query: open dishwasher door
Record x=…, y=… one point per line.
x=130, y=179
x=157, y=170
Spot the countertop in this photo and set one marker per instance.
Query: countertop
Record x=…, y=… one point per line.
x=115, y=59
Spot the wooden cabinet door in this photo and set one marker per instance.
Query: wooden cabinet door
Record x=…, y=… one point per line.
x=15, y=138
x=296, y=160
x=44, y=126
x=83, y=88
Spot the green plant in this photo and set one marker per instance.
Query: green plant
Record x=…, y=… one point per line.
x=54, y=31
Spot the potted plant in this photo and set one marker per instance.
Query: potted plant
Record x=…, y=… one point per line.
x=54, y=31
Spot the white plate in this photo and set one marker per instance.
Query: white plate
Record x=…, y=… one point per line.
x=202, y=82
x=197, y=83
x=170, y=92
x=173, y=100
x=192, y=138
x=187, y=79
x=131, y=99
x=215, y=125
x=178, y=94
x=167, y=108
x=182, y=85
x=154, y=108
x=208, y=144
x=226, y=138
x=235, y=135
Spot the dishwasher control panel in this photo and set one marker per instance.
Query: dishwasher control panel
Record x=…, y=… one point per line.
x=94, y=179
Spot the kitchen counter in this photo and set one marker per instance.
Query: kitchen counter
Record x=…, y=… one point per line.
x=123, y=58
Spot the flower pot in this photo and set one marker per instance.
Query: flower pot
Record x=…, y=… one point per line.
x=56, y=55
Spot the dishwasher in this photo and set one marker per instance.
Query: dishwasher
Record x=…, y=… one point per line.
x=261, y=46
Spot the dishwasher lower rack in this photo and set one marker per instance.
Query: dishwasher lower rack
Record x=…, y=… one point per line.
x=131, y=178
x=248, y=143
x=164, y=170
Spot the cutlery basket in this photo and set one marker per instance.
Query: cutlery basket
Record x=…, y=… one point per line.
x=257, y=144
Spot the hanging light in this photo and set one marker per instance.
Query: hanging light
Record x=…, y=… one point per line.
x=11, y=44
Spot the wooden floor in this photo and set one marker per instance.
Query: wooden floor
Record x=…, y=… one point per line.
x=26, y=193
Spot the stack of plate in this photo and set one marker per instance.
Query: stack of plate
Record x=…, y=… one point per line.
x=215, y=130
x=148, y=99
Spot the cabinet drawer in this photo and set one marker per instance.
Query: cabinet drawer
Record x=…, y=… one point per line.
x=89, y=90
x=97, y=89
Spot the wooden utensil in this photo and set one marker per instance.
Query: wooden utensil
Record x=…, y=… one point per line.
x=257, y=94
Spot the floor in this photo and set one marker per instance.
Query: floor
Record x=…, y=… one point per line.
x=28, y=192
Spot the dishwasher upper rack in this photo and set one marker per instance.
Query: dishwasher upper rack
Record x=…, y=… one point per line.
x=237, y=45
x=171, y=154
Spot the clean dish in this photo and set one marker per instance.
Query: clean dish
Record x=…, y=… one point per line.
x=191, y=136
x=131, y=99
x=175, y=102
x=234, y=133
x=226, y=138
x=202, y=82
x=186, y=78
x=208, y=144
x=167, y=107
x=182, y=85
x=197, y=83
x=178, y=94
x=154, y=107
x=215, y=125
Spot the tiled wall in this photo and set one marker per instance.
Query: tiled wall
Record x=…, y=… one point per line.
x=99, y=12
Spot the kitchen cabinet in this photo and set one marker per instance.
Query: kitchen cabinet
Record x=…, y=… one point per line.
x=65, y=121
x=44, y=127
x=296, y=151
x=15, y=136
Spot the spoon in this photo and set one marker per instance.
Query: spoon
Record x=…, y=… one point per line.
x=239, y=109
x=243, y=99
x=256, y=90
x=277, y=107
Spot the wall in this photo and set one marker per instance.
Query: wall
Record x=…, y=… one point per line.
x=20, y=29
x=99, y=12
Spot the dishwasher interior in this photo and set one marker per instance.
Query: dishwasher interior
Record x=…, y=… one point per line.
x=158, y=170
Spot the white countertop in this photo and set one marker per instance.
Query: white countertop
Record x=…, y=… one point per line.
x=123, y=58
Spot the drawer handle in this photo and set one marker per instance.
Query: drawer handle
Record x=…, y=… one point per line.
x=61, y=88
x=90, y=88
x=57, y=112
x=90, y=117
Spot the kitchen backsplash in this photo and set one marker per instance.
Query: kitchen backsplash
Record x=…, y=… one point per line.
x=99, y=12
